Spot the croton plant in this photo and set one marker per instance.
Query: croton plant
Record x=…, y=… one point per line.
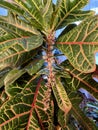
x=36, y=91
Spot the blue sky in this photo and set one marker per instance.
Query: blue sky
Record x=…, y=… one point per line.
x=3, y=11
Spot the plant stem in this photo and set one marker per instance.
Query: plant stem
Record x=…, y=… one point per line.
x=50, y=58
x=50, y=61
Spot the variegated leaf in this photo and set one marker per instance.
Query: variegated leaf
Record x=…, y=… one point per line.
x=3, y=97
x=65, y=12
x=16, y=25
x=79, y=80
x=32, y=8
x=12, y=76
x=61, y=96
x=84, y=121
x=42, y=108
x=26, y=107
x=76, y=17
x=62, y=119
x=16, y=73
x=10, y=6
x=80, y=44
x=43, y=8
x=11, y=50
x=47, y=13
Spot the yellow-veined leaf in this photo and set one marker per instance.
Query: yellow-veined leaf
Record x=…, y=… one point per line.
x=80, y=45
x=61, y=96
x=67, y=11
x=11, y=50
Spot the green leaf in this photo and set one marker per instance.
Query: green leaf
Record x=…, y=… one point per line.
x=79, y=80
x=61, y=96
x=67, y=29
x=70, y=11
x=12, y=7
x=80, y=116
x=47, y=13
x=62, y=119
x=12, y=76
x=76, y=16
x=14, y=24
x=43, y=107
x=3, y=97
x=33, y=12
x=3, y=74
x=41, y=8
x=26, y=57
x=21, y=13
x=11, y=50
x=16, y=73
x=80, y=44
x=27, y=100
x=26, y=106
x=2, y=81
x=70, y=5
x=34, y=66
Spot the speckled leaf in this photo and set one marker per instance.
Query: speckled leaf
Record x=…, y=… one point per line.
x=80, y=44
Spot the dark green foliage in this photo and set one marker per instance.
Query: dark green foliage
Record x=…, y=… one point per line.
x=37, y=93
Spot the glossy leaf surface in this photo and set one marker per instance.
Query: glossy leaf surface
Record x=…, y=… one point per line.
x=67, y=11
x=80, y=44
x=61, y=96
x=81, y=117
x=26, y=106
x=37, y=92
x=79, y=80
x=11, y=51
